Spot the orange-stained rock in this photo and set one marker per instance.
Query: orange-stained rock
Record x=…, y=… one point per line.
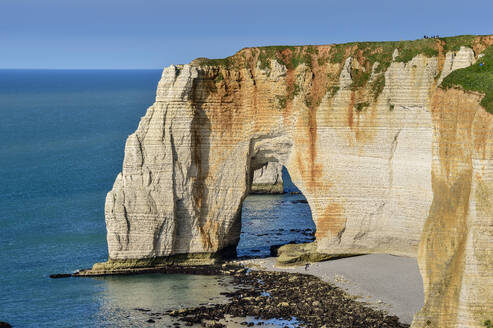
x=456, y=250
x=377, y=149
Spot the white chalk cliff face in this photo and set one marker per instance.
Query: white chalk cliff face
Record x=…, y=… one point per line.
x=371, y=159
x=268, y=179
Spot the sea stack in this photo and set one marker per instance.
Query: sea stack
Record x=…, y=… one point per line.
x=268, y=179
x=390, y=145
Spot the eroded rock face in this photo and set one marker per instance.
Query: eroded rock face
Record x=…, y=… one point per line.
x=376, y=148
x=268, y=179
x=455, y=254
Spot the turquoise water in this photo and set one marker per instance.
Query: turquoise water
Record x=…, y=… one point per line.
x=61, y=145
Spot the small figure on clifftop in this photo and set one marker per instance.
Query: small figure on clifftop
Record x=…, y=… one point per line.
x=307, y=266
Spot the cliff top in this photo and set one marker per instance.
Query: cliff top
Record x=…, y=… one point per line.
x=477, y=77
x=375, y=58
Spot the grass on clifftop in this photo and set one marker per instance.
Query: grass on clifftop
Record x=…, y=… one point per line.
x=373, y=51
x=373, y=57
x=478, y=77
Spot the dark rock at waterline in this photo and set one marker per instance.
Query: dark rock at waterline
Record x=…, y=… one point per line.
x=208, y=270
x=282, y=295
x=4, y=325
x=213, y=324
x=299, y=201
x=275, y=248
x=59, y=275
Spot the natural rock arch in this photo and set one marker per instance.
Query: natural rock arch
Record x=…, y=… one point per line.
x=271, y=220
x=374, y=160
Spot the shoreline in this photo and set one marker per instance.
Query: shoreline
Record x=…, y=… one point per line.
x=386, y=286
x=385, y=282
x=303, y=299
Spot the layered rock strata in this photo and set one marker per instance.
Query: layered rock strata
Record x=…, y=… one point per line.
x=384, y=157
x=456, y=252
x=268, y=180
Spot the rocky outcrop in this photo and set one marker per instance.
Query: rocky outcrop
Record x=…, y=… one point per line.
x=268, y=180
x=455, y=254
x=378, y=150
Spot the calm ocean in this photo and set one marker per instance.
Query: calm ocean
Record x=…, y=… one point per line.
x=62, y=134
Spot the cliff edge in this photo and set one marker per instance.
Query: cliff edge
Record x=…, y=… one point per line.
x=390, y=142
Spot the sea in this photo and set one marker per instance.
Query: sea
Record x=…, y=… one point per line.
x=62, y=136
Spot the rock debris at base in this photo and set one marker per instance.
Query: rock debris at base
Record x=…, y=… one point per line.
x=280, y=295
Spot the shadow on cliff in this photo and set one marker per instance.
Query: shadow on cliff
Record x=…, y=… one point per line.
x=200, y=149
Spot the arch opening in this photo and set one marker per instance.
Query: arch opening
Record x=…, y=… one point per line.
x=272, y=219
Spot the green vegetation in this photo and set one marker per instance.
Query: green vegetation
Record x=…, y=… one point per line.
x=294, y=90
x=281, y=101
x=322, y=60
x=337, y=53
x=225, y=62
x=376, y=57
x=477, y=77
x=380, y=52
x=289, y=56
x=297, y=254
x=177, y=259
x=332, y=90
x=219, y=77
x=360, y=106
x=377, y=85
x=360, y=78
x=488, y=324
x=391, y=107
x=410, y=49
x=268, y=53
x=454, y=43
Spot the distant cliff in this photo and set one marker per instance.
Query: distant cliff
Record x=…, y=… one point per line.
x=390, y=142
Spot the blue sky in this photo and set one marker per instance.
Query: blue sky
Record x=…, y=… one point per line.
x=157, y=33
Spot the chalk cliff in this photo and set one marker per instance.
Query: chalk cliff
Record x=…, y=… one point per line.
x=268, y=179
x=388, y=160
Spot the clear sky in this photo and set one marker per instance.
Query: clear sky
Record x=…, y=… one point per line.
x=156, y=33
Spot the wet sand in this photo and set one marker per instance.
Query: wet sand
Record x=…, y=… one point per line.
x=387, y=282
x=303, y=299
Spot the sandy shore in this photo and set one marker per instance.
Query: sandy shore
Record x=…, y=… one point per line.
x=391, y=283
x=289, y=299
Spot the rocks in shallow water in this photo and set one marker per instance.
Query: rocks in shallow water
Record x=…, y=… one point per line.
x=275, y=248
x=189, y=165
x=4, y=325
x=212, y=324
x=143, y=310
x=282, y=295
x=60, y=275
x=292, y=254
x=299, y=201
